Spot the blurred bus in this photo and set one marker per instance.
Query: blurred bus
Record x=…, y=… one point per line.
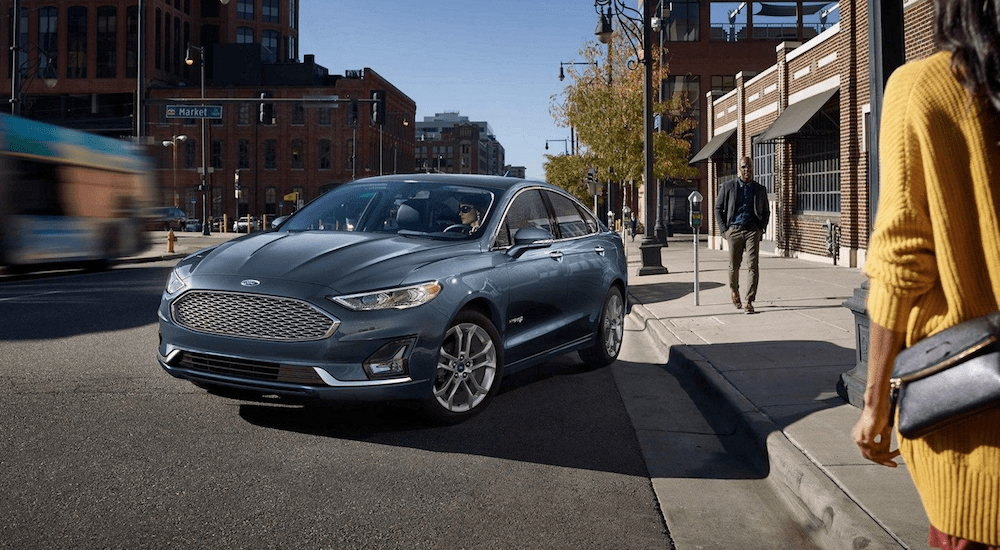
x=69, y=196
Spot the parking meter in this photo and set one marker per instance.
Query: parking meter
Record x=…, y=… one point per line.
x=695, y=200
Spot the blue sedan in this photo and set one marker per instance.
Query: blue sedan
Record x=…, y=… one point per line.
x=424, y=287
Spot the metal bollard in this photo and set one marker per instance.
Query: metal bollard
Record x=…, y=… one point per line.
x=171, y=239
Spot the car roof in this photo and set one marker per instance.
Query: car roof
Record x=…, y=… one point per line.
x=478, y=180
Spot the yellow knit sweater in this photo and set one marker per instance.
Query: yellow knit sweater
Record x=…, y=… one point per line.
x=934, y=261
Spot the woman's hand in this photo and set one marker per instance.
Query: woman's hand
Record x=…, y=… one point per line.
x=873, y=437
x=872, y=433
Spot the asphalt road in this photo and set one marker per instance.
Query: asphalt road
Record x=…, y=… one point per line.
x=99, y=448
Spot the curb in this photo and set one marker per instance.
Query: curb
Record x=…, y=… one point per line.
x=820, y=506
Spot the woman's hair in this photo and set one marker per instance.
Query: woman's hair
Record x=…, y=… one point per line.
x=970, y=30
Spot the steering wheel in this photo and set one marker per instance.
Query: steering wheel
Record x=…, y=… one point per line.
x=459, y=228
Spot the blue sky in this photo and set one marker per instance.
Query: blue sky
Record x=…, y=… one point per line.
x=494, y=60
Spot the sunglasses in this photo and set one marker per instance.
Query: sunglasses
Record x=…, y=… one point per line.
x=465, y=209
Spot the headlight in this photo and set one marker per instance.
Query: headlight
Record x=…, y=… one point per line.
x=175, y=284
x=394, y=298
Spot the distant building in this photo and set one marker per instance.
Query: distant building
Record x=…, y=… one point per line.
x=79, y=63
x=514, y=171
x=449, y=142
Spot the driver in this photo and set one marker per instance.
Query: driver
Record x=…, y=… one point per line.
x=469, y=214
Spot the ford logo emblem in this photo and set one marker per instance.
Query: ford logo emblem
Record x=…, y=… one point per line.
x=250, y=282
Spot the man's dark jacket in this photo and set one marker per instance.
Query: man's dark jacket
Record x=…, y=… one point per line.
x=725, y=206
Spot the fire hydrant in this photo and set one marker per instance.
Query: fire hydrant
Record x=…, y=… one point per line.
x=171, y=239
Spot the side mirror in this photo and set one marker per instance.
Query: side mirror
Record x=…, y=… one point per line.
x=528, y=238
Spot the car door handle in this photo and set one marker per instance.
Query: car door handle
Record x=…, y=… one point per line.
x=556, y=255
x=599, y=250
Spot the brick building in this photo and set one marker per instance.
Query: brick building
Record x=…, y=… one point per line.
x=450, y=142
x=804, y=121
x=705, y=43
x=79, y=64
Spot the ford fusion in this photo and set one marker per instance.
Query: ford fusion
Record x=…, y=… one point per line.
x=426, y=288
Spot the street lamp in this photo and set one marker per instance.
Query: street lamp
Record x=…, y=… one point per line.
x=608, y=11
x=204, y=137
x=565, y=145
x=172, y=142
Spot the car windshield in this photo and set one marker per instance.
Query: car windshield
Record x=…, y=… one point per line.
x=399, y=207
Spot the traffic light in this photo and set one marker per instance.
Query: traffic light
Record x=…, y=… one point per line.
x=266, y=109
x=378, y=107
x=352, y=113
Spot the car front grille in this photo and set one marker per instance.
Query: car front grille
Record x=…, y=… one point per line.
x=249, y=368
x=252, y=316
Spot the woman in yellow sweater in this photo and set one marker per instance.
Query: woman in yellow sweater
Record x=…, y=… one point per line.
x=934, y=258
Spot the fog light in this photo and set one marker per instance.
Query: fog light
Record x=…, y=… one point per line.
x=390, y=360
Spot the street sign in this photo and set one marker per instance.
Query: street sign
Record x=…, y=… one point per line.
x=194, y=111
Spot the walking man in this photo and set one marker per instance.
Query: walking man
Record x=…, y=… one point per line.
x=742, y=210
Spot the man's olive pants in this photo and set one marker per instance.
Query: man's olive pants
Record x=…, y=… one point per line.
x=742, y=241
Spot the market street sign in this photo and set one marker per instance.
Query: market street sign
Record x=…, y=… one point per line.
x=194, y=111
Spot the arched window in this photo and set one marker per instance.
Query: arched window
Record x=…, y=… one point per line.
x=76, y=42
x=107, y=41
x=244, y=35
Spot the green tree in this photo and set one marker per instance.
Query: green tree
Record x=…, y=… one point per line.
x=604, y=104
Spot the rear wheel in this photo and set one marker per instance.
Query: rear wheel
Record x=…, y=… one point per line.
x=610, y=332
x=469, y=369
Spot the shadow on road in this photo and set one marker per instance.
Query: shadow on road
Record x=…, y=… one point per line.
x=558, y=414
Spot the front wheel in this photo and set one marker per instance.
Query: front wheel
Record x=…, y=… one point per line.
x=469, y=369
x=610, y=332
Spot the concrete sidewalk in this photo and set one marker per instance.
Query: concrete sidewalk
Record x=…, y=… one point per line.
x=777, y=370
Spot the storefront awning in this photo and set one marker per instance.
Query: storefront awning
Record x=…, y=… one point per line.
x=796, y=115
x=712, y=146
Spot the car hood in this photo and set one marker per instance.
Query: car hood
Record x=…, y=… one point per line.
x=344, y=262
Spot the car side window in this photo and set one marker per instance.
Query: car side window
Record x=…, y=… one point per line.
x=569, y=218
x=527, y=210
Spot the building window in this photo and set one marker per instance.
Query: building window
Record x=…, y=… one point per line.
x=190, y=147
x=107, y=41
x=76, y=42
x=323, y=118
x=269, y=11
x=298, y=155
x=131, y=41
x=298, y=114
x=168, y=50
x=157, y=37
x=48, y=25
x=293, y=14
x=763, y=164
x=723, y=83
x=291, y=50
x=270, y=154
x=243, y=154
x=270, y=201
x=217, y=156
x=817, y=165
x=22, y=56
x=269, y=41
x=244, y=9
x=244, y=114
x=682, y=25
x=323, y=154
x=244, y=35
x=728, y=21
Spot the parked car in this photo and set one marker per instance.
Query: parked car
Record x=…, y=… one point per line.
x=427, y=288
x=166, y=218
x=193, y=224
x=240, y=225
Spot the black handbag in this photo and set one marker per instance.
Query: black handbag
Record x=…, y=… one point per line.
x=946, y=377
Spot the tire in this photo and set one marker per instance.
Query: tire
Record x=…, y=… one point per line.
x=469, y=369
x=610, y=331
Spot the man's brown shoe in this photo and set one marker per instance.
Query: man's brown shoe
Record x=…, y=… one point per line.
x=736, y=300
x=749, y=308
